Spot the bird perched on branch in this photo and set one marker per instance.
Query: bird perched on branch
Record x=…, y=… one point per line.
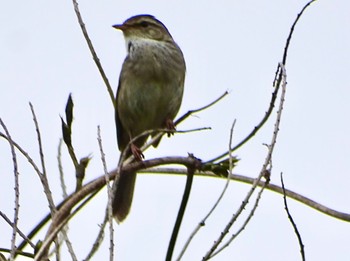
x=149, y=95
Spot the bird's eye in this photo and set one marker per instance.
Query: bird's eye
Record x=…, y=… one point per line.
x=144, y=24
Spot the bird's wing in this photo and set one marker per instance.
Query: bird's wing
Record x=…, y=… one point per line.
x=122, y=135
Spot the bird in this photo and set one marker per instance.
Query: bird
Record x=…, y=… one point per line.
x=149, y=95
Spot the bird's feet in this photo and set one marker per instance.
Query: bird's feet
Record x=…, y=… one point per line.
x=136, y=152
x=169, y=124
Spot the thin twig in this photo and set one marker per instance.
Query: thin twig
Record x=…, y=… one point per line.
x=262, y=172
x=285, y=53
x=58, y=226
x=65, y=195
x=251, y=214
x=110, y=196
x=300, y=241
x=255, y=129
x=276, y=84
x=60, y=170
x=189, y=113
x=21, y=253
x=43, y=177
x=203, y=221
x=99, y=239
x=161, y=132
x=24, y=153
x=3, y=215
x=68, y=243
x=16, y=178
x=94, y=55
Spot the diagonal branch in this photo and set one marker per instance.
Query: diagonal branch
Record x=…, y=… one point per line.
x=93, y=52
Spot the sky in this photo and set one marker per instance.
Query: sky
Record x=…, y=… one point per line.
x=230, y=46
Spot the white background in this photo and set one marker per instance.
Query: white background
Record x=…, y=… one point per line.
x=228, y=45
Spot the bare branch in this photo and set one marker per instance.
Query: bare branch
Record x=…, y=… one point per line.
x=60, y=169
x=99, y=239
x=251, y=214
x=93, y=52
x=16, y=178
x=110, y=196
x=189, y=113
x=203, y=221
x=276, y=84
x=262, y=172
x=3, y=215
x=97, y=184
x=247, y=180
x=42, y=175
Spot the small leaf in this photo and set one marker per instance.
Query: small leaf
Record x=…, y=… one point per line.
x=38, y=246
x=221, y=168
x=69, y=111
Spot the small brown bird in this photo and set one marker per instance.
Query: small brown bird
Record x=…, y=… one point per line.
x=149, y=95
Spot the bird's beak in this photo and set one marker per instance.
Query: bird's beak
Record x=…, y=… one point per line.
x=119, y=27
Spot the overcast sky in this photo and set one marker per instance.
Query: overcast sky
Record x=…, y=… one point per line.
x=228, y=45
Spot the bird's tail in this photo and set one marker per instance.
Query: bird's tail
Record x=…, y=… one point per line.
x=123, y=196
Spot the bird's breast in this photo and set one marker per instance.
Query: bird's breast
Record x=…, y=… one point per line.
x=155, y=59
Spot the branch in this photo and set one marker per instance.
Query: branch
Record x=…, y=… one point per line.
x=262, y=172
x=292, y=221
x=181, y=212
x=189, y=113
x=234, y=236
x=16, y=177
x=42, y=175
x=275, y=188
x=203, y=221
x=276, y=83
x=97, y=184
x=109, y=211
x=3, y=215
x=94, y=55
